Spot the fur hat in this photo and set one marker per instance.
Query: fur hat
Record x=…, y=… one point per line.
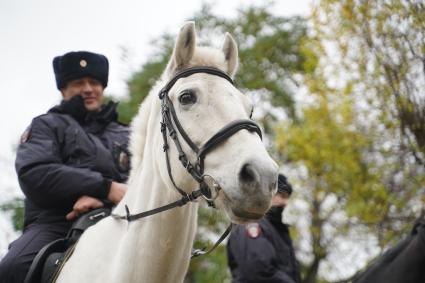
x=283, y=186
x=76, y=65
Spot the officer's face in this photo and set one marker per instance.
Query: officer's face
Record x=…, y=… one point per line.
x=280, y=199
x=90, y=89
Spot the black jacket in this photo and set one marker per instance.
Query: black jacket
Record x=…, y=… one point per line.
x=67, y=153
x=262, y=252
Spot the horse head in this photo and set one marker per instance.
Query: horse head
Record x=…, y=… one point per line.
x=205, y=103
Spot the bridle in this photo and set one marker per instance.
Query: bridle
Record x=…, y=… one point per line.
x=209, y=188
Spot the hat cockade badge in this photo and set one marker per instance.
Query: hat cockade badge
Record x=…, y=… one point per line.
x=83, y=63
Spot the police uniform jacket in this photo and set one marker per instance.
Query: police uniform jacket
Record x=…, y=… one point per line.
x=67, y=153
x=262, y=252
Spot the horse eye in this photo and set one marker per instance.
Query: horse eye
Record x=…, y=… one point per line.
x=187, y=97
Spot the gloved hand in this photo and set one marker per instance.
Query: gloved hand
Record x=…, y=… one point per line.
x=83, y=205
x=74, y=107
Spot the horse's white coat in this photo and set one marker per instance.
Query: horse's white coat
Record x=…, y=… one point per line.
x=157, y=249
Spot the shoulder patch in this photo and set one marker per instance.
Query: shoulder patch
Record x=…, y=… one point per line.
x=253, y=230
x=121, y=157
x=26, y=135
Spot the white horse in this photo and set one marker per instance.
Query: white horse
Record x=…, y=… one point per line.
x=157, y=248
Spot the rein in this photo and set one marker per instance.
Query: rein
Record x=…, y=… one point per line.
x=208, y=188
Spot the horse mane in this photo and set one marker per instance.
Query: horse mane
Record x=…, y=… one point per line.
x=138, y=132
x=203, y=56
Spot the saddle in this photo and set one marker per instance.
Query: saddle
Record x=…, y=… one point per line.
x=49, y=260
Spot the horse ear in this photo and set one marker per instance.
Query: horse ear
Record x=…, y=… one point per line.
x=184, y=48
x=230, y=49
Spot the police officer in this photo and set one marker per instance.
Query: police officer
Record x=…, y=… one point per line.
x=262, y=252
x=71, y=159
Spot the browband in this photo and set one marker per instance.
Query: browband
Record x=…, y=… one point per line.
x=190, y=71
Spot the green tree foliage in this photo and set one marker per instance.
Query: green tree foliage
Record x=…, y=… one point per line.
x=379, y=55
x=382, y=44
x=16, y=207
x=358, y=141
x=338, y=190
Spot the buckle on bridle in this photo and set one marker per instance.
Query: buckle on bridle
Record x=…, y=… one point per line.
x=213, y=187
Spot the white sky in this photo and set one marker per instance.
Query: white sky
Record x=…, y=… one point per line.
x=33, y=32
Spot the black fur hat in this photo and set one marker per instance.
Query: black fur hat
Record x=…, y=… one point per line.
x=75, y=65
x=283, y=185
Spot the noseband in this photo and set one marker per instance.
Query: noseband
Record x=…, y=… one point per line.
x=208, y=187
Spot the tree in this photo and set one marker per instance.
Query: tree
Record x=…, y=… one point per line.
x=380, y=52
x=359, y=142
x=339, y=192
x=382, y=44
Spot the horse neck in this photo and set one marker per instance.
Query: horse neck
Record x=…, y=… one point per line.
x=165, y=238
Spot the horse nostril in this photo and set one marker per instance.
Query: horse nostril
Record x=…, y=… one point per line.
x=248, y=174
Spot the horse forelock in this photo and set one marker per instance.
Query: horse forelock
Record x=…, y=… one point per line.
x=210, y=57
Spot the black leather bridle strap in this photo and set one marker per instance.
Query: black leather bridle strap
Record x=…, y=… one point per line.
x=196, y=253
x=178, y=125
x=167, y=124
x=224, y=133
x=185, y=199
x=167, y=159
x=190, y=71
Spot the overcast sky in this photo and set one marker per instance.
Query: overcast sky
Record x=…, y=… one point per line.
x=33, y=32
